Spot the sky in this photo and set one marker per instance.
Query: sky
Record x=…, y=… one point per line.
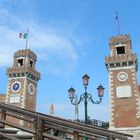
x=70, y=38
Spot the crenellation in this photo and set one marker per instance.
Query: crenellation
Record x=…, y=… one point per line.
x=114, y=40
x=121, y=58
x=23, y=69
x=25, y=52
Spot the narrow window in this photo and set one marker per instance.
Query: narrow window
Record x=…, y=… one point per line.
x=130, y=63
x=120, y=50
x=124, y=64
x=117, y=64
x=112, y=65
x=31, y=63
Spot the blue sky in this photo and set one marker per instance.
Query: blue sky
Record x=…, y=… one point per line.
x=70, y=38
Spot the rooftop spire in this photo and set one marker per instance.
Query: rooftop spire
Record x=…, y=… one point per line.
x=51, y=109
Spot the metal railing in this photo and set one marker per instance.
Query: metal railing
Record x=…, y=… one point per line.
x=95, y=122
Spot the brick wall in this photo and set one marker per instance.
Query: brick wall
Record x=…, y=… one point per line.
x=2, y=97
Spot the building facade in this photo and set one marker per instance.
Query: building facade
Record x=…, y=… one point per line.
x=122, y=66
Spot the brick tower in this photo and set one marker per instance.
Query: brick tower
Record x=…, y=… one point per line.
x=122, y=66
x=22, y=80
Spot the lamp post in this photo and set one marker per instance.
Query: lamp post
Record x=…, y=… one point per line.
x=85, y=97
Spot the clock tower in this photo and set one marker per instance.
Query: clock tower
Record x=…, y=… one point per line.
x=122, y=66
x=22, y=80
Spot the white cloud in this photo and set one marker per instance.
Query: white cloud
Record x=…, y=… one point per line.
x=55, y=48
x=7, y=45
x=56, y=51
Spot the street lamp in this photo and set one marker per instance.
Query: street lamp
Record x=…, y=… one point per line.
x=85, y=97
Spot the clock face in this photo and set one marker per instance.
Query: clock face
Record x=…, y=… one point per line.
x=16, y=86
x=31, y=88
x=122, y=76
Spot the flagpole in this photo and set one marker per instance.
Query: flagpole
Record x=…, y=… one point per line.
x=118, y=25
x=27, y=39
